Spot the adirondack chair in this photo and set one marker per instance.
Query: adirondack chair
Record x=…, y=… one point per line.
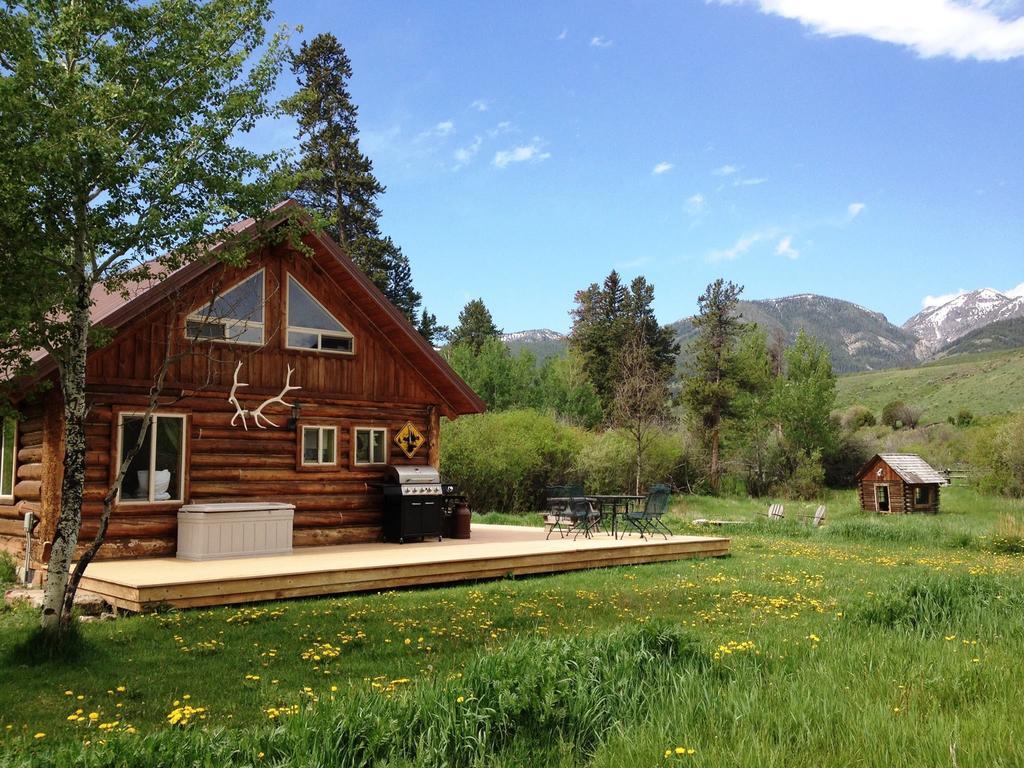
x=560, y=503
x=648, y=518
x=818, y=518
x=775, y=512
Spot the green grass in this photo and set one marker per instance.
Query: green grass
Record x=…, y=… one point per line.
x=987, y=384
x=870, y=642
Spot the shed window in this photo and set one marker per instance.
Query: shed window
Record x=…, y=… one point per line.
x=370, y=445
x=310, y=326
x=8, y=458
x=155, y=474
x=235, y=315
x=319, y=445
x=922, y=495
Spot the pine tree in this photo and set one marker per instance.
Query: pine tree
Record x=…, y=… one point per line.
x=711, y=388
x=475, y=326
x=606, y=319
x=335, y=178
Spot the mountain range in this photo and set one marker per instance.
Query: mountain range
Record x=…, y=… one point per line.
x=858, y=338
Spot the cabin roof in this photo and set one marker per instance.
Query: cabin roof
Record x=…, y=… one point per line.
x=116, y=309
x=909, y=466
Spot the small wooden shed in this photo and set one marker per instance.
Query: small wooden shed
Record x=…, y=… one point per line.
x=899, y=484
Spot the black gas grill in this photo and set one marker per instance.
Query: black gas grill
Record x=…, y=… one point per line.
x=413, y=504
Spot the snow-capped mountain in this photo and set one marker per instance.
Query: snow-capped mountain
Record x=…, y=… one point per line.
x=542, y=342
x=938, y=326
x=858, y=339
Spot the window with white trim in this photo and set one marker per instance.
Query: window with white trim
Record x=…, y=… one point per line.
x=319, y=446
x=371, y=445
x=8, y=458
x=311, y=326
x=156, y=473
x=235, y=315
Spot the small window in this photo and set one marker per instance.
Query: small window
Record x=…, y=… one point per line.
x=155, y=474
x=310, y=326
x=922, y=496
x=319, y=446
x=8, y=458
x=235, y=315
x=370, y=445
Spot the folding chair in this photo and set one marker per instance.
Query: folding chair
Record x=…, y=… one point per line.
x=648, y=519
x=558, y=501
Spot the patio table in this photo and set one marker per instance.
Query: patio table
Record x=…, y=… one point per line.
x=616, y=504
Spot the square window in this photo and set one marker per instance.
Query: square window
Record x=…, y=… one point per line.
x=370, y=445
x=319, y=446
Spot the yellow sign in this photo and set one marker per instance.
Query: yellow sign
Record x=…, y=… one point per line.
x=409, y=439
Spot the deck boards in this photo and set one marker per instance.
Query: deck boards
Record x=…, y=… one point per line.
x=494, y=551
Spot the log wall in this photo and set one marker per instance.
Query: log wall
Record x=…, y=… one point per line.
x=376, y=386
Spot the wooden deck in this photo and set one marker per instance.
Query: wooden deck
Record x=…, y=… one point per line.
x=494, y=551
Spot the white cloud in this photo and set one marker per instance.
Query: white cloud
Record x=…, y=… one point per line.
x=600, y=42
x=439, y=131
x=503, y=127
x=463, y=155
x=695, y=204
x=937, y=301
x=1016, y=293
x=853, y=210
x=785, y=248
x=480, y=105
x=725, y=170
x=740, y=247
x=526, y=153
x=964, y=30
x=749, y=182
x=563, y=34
x=661, y=168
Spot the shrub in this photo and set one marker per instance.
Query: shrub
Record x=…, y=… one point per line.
x=808, y=478
x=8, y=570
x=851, y=454
x=963, y=418
x=606, y=462
x=857, y=416
x=502, y=461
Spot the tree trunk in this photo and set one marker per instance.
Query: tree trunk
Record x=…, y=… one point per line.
x=56, y=617
x=715, y=480
x=639, y=457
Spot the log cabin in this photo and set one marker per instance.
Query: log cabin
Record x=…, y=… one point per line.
x=289, y=379
x=899, y=483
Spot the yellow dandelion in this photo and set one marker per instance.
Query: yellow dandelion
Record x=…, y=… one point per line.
x=40, y=735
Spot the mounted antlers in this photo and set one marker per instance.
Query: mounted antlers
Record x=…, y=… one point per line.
x=257, y=413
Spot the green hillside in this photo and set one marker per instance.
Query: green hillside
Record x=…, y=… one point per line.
x=986, y=384
x=1000, y=335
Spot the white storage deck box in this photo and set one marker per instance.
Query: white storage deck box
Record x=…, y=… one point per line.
x=218, y=531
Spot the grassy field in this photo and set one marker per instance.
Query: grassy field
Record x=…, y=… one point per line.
x=986, y=384
x=870, y=642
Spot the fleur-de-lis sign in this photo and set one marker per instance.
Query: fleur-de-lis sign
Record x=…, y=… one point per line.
x=409, y=439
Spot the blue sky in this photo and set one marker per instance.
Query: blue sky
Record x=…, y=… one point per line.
x=862, y=149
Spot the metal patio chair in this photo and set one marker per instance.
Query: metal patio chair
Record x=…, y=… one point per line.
x=647, y=520
x=559, y=498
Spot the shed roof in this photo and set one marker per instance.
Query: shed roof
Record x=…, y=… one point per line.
x=909, y=466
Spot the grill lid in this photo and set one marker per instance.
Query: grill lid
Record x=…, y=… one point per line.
x=410, y=475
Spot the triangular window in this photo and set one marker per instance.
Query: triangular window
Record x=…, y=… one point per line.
x=235, y=315
x=311, y=326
